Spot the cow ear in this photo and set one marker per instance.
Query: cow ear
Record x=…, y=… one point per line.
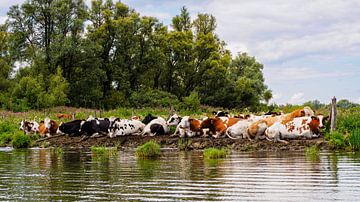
x=327, y=118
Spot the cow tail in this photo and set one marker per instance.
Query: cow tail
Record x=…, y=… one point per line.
x=231, y=137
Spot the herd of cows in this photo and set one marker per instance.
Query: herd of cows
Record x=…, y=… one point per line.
x=301, y=123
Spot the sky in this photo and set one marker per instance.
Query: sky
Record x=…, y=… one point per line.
x=310, y=49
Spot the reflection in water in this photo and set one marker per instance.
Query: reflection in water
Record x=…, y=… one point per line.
x=39, y=174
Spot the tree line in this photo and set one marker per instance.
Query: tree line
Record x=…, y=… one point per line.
x=107, y=55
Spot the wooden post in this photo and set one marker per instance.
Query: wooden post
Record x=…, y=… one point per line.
x=333, y=115
x=100, y=113
x=95, y=114
x=73, y=116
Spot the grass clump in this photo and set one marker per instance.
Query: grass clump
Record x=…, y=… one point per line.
x=184, y=144
x=354, y=140
x=312, y=153
x=214, y=153
x=103, y=151
x=5, y=139
x=21, y=141
x=150, y=149
x=336, y=140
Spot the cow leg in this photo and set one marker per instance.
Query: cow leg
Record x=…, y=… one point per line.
x=84, y=138
x=95, y=135
x=277, y=139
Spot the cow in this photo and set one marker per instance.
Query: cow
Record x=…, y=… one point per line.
x=238, y=130
x=125, y=127
x=215, y=125
x=66, y=116
x=229, y=121
x=256, y=130
x=220, y=113
x=50, y=127
x=29, y=127
x=71, y=128
x=189, y=127
x=174, y=120
x=95, y=127
x=155, y=126
x=308, y=127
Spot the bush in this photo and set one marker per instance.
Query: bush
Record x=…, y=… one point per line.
x=191, y=102
x=336, y=140
x=5, y=138
x=354, y=140
x=153, y=98
x=21, y=141
x=149, y=149
x=214, y=153
x=348, y=121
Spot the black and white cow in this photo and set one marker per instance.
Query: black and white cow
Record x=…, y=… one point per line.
x=155, y=126
x=119, y=127
x=95, y=127
x=220, y=113
x=29, y=127
x=71, y=128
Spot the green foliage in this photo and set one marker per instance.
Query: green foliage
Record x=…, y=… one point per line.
x=214, y=153
x=348, y=121
x=191, y=102
x=21, y=140
x=150, y=149
x=354, y=140
x=5, y=138
x=153, y=98
x=103, y=151
x=336, y=140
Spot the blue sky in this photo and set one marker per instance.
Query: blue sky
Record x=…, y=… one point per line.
x=310, y=49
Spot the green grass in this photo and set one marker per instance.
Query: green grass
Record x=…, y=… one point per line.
x=336, y=140
x=354, y=140
x=214, y=153
x=103, y=151
x=57, y=150
x=21, y=141
x=150, y=149
x=348, y=121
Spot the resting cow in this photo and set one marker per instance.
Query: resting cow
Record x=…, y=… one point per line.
x=308, y=127
x=29, y=127
x=215, y=125
x=71, y=128
x=95, y=127
x=155, y=126
x=125, y=127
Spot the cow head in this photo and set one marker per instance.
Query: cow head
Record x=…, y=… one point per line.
x=220, y=113
x=174, y=120
x=35, y=126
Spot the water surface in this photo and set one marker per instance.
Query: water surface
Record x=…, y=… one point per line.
x=40, y=174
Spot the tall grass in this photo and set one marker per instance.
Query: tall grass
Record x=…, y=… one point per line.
x=214, y=153
x=20, y=140
x=150, y=149
x=103, y=151
x=354, y=140
x=348, y=121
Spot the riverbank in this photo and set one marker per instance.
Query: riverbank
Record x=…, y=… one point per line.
x=197, y=143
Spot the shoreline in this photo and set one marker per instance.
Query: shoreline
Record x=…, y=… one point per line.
x=195, y=143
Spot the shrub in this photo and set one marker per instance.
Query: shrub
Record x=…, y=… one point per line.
x=336, y=140
x=191, y=102
x=149, y=149
x=5, y=138
x=354, y=139
x=21, y=140
x=214, y=153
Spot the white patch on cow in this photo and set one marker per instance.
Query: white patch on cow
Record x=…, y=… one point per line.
x=158, y=120
x=238, y=130
x=122, y=127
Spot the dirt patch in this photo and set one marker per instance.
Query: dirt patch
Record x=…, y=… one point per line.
x=184, y=143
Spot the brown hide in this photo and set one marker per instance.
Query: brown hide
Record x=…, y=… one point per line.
x=214, y=125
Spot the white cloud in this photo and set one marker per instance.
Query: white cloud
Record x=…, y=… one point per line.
x=297, y=98
x=281, y=74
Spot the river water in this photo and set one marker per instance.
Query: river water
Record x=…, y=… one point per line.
x=42, y=174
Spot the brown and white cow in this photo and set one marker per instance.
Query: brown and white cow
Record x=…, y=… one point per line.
x=48, y=127
x=186, y=126
x=29, y=127
x=215, y=125
x=257, y=129
x=308, y=127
